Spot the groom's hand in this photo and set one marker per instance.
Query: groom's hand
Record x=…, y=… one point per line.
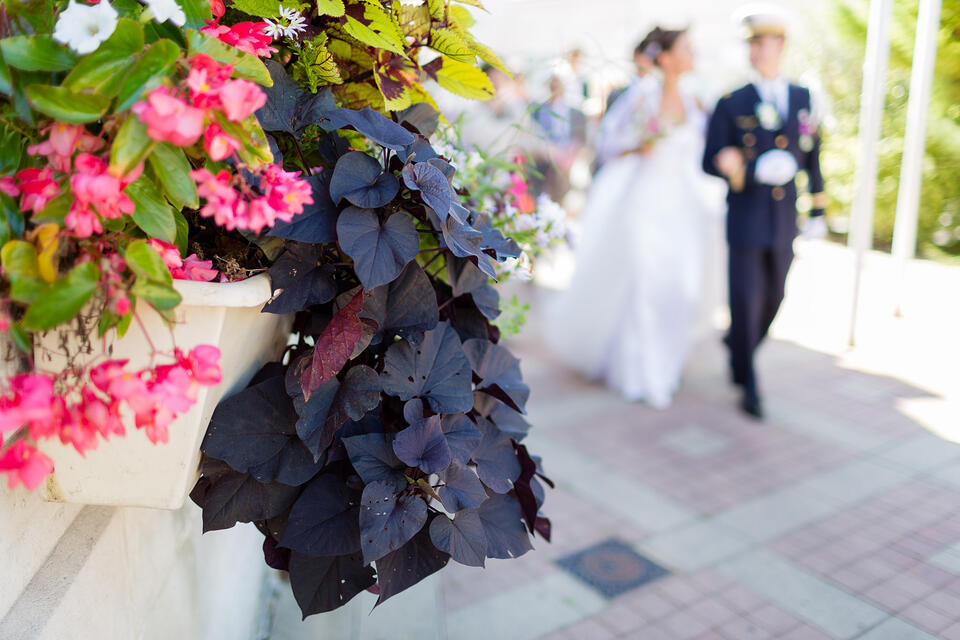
x=730, y=163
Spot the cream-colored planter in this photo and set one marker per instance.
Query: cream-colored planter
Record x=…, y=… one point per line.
x=131, y=471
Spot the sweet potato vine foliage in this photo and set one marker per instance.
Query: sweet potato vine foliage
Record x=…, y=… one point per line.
x=389, y=441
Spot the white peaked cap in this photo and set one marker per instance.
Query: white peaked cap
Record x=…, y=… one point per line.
x=762, y=19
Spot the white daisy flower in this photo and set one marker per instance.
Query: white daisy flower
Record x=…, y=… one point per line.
x=296, y=25
x=289, y=14
x=164, y=10
x=273, y=30
x=83, y=28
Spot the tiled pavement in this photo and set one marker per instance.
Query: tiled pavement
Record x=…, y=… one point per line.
x=837, y=517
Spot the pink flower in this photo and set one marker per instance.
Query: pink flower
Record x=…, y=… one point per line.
x=217, y=8
x=223, y=203
x=287, y=193
x=205, y=80
x=218, y=144
x=246, y=36
x=63, y=139
x=23, y=463
x=82, y=220
x=170, y=119
x=259, y=215
x=196, y=269
x=121, y=304
x=203, y=364
x=105, y=417
x=240, y=98
x=169, y=253
x=37, y=187
x=8, y=185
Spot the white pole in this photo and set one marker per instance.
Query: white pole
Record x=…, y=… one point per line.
x=914, y=143
x=871, y=118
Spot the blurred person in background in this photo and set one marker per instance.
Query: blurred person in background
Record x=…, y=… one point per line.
x=759, y=138
x=628, y=316
x=643, y=65
x=564, y=131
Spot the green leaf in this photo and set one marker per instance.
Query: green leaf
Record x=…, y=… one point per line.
x=255, y=149
x=64, y=105
x=464, y=80
x=56, y=210
x=6, y=80
x=333, y=8
x=63, y=299
x=318, y=63
x=145, y=262
x=104, y=70
x=472, y=3
x=152, y=214
x=11, y=149
x=173, y=171
x=19, y=258
x=268, y=8
x=131, y=146
x=8, y=210
x=21, y=338
x=380, y=30
x=487, y=55
x=148, y=72
x=162, y=296
x=197, y=12
x=183, y=232
x=245, y=65
x=449, y=43
x=37, y=53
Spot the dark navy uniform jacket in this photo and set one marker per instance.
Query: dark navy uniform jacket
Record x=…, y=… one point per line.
x=760, y=215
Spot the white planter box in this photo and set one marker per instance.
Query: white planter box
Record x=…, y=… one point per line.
x=130, y=470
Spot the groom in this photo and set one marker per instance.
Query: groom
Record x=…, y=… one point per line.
x=759, y=138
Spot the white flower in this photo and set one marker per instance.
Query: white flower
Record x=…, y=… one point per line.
x=295, y=26
x=164, y=10
x=83, y=28
x=272, y=30
x=412, y=3
x=289, y=14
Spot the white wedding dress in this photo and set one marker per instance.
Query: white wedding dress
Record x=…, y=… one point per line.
x=629, y=315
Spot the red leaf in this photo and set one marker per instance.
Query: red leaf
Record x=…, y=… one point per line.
x=334, y=346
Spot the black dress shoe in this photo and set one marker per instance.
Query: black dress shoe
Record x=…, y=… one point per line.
x=752, y=405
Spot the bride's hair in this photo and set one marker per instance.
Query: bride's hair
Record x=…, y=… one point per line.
x=658, y=41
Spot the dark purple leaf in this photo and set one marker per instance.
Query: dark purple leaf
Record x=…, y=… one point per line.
x=323, y=584
x=463, y=537
x=509, y=420
x=379, y=252
x=423, y=445
x=275, y=557
x=432, y=185
x=359, y=393
x=362, y=181
x=523, y=488
x=373, y=459
x=387, y=521
x=487, y=300
x=543, y=527
x=228, y=497
x=408, y=565
x=422, y=117
x=324, y=520
x=436, y=369
x=318, y=222
x=420, y=150
x=465, y=276
x=413, y=410
x=497, y=463
x=254, y=432
x=503, y=524
x=299, y=281
x=496, y=367
x=462, y=489
x=494, y=240
x=462, y=436
x=312, y=424
x=373, y=125
x=410, y=303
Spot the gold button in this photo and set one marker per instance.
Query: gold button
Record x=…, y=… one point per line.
x=779, y=193
x=781, y=141
x=749, y=139
x=749, y=153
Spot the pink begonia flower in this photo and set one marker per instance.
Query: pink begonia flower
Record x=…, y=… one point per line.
x=31, y=402
x=287, y=193
x=105, y=417
x=218, y=144
x=259, y=215
x=196, y=269
x=82, y=220
x=240, y=98
x=121, y=304
x=23, y=463
x=223, y=203
x=4, y=322
x=217, y=8
x=170, y=119
x=76, y=430
x=8, y=185
x=203, y=364
x=63, y=139
x=37, y=187
x=95, y=188
x=169, y=253
x=249, y=37
x=205, y=80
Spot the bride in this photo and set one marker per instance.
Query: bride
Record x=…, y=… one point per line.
x=629, y=313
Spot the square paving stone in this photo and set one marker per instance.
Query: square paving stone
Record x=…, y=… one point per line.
x=612, y=567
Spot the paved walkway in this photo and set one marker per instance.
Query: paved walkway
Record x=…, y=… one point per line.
x=838, y=517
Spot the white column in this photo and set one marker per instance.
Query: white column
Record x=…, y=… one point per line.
x=871, y=117
x=914, y=143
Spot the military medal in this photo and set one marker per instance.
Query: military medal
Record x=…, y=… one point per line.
x=807, y=131
x=768, y=116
